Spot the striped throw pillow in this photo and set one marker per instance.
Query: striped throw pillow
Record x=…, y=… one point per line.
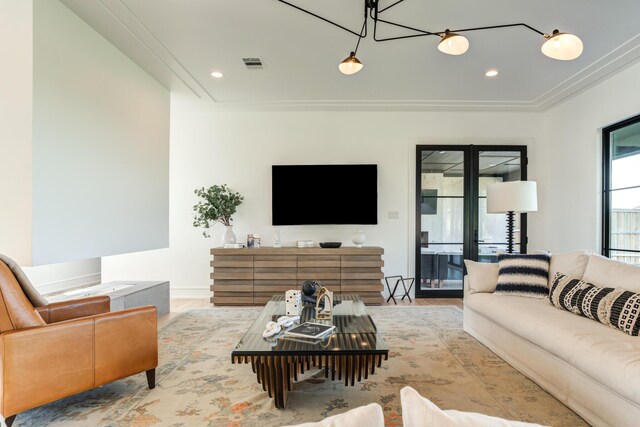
x=523, y=275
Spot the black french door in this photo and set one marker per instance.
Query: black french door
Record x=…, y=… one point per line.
x=452, y=223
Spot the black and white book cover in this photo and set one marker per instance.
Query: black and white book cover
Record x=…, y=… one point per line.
x=310, y=330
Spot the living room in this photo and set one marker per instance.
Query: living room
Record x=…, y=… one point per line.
x=111, y=119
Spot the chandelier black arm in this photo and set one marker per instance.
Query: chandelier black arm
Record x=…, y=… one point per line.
x=321, y=18
x=390, y=6
x=375, y=30
x=373, y=13
x=462, y=30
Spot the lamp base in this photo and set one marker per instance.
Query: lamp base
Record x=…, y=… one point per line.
x=510, y=225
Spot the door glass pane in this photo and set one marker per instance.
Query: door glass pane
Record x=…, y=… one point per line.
x=625, y=155
x=495, y=167
x=625, y=219
x=441, y=220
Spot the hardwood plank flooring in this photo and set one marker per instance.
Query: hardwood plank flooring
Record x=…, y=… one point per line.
x=181, y=305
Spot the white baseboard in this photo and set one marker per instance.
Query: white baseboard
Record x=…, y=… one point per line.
x=190, y=293
x=73, y=282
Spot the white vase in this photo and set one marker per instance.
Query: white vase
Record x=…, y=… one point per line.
x=229, y=236
x=358, y=238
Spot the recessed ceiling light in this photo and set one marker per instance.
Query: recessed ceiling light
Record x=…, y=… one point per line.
x=491, y=73
x=442, y=152
x=217, y=75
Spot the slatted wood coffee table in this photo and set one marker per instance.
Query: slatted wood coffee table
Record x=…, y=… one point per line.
x=353, y=352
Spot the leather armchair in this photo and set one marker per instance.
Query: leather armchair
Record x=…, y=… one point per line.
x=57, y=350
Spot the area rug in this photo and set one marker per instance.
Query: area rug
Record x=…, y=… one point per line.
x=199, y=386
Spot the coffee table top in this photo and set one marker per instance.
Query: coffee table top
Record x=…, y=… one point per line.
x=356, y=333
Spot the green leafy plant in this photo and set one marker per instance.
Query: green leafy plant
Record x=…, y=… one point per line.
x=217, y=203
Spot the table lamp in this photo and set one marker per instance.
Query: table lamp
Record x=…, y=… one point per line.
x=511, y=198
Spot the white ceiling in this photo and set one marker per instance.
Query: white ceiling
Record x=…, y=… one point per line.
x=179, y=42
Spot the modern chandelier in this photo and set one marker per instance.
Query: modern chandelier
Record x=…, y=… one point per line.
x=557, y=45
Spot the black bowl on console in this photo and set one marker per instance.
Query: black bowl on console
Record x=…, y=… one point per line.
x=330, y=244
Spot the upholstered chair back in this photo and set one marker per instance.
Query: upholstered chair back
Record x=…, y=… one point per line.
x=16, y=311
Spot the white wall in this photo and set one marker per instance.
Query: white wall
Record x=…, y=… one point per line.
x=569, y=164
x=84, y=137
x=16, y=78
x=238, y=149
x=100, y=145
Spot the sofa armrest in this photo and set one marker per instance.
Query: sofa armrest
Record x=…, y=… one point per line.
x=73, y=309
x=46, y=363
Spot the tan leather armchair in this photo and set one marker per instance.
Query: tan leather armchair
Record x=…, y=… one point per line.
x=57, y=350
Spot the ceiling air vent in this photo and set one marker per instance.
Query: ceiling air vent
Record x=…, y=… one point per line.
x=253, y=63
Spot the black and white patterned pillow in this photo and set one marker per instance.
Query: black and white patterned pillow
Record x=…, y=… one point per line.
x=614, y=307
x=523, y=275
x=565, y=291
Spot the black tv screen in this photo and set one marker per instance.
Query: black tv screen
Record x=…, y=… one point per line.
x=324, y=194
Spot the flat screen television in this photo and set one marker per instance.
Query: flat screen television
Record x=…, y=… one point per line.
x=324, y=194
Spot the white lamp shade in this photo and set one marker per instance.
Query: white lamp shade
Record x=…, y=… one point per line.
x=453, y=44
x=515, y=196
x=562, y=46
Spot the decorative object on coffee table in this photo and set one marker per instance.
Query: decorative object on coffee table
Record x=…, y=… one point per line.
x=218, y=204
x=293, y=302
x=324, y=304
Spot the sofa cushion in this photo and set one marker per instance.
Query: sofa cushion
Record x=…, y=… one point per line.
x=483, y=276
x=418, y=411
x=611, y=273
x=601, y=353
x=370, y=415
x=524, y=275
x=572, y=264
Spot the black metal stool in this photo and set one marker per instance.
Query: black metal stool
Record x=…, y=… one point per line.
x=399, y=279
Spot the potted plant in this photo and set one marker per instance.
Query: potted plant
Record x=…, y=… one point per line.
x=217, y=204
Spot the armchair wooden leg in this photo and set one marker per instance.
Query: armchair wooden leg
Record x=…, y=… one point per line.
x=9, y=420
x=151, y=378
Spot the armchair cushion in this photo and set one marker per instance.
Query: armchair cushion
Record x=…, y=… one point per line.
x=16, y=312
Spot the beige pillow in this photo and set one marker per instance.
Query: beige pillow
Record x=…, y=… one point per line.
x=571, y=264
x=369, y=416
x=418, y=411
x=606, y=272
x=483, y=276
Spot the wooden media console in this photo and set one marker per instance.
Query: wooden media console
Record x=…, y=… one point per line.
x=251, y=276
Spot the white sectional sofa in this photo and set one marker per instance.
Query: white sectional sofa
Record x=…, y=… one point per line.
x=592, y=368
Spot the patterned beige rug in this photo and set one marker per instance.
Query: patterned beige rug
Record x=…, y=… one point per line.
x=198, y=385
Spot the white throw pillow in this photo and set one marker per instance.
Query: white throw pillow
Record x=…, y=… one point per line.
x=418, y=411
x=605, y=272
x=572, y=264
x=369, y=416
x=483, y=276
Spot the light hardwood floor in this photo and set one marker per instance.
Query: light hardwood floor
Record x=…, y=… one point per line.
x=181, y=305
